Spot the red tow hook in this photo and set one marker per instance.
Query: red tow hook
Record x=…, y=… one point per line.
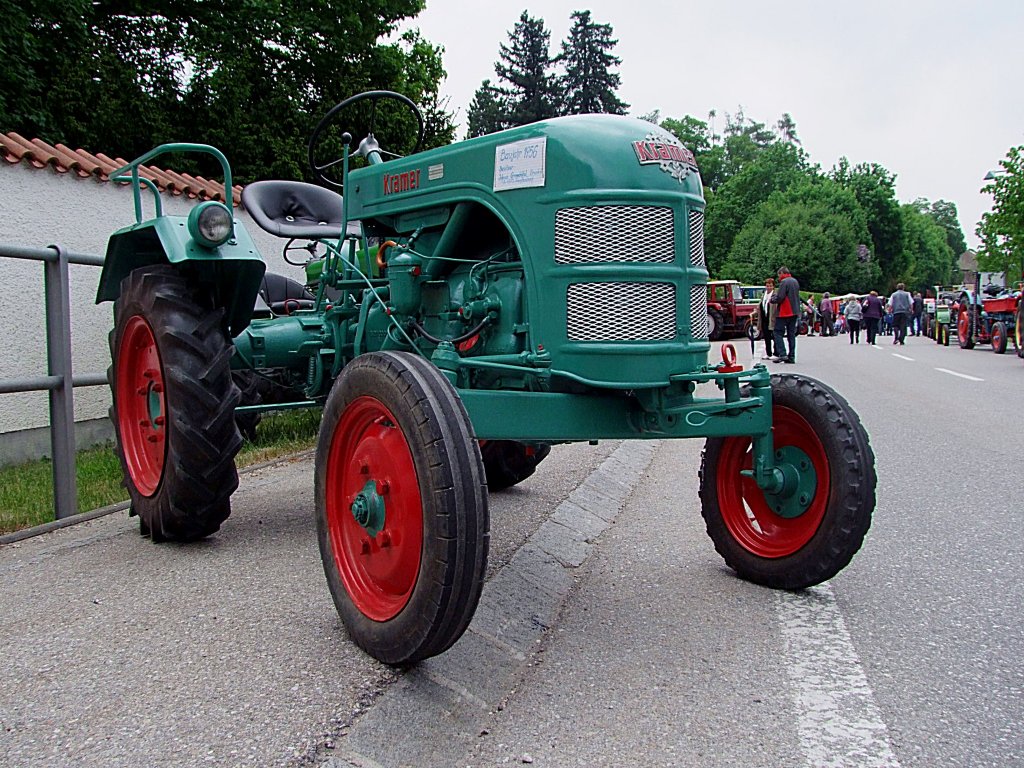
x=729, y=360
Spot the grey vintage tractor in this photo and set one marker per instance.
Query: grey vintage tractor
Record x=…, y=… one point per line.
x=468, y=307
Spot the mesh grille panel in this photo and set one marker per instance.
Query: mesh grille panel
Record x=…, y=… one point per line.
x=614, y=233
x=699, y=311
x=621, y=311
x=697, y=238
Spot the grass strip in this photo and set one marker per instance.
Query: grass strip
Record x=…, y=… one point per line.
x=26, y=490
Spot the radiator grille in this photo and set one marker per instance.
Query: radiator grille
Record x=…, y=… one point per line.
x=621, y=312
x=606, y=233
x=699, y=311
x=697, y=238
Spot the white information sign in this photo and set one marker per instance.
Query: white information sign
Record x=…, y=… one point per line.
x=520, y=164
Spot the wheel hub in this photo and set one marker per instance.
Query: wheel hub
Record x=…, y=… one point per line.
x=368, y=508
x=798, y=485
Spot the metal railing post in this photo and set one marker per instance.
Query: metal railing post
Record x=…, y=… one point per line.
x=62, y=401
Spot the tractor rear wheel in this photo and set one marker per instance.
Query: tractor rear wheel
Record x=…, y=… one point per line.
x=716, y=325
x=1018, y=328
x=965, y=327
x=173, y=405
x=508, y=462
x=775, y=544
x=401, y=507
x=999, y=337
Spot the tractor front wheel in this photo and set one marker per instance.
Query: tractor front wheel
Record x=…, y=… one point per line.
x=999, y=337
x=793, y=543
x=508, y=462
x=401, y=507
x=173, y=407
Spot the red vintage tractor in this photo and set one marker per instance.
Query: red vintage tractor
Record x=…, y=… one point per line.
x=728, y=314
x=988, y=317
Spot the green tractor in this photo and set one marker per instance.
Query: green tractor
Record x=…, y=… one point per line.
x=468, y=307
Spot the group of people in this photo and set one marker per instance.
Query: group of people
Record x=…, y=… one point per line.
x=779, y=312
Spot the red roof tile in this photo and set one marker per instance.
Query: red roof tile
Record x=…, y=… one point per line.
x=16, y=149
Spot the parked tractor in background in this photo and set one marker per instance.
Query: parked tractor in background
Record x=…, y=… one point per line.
x=471, y=305
x=988, y=316
x=729, y=314
x=942, y=323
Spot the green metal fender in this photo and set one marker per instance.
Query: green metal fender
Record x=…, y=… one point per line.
x=233, y=271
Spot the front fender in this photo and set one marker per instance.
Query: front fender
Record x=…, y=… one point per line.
x=233, y=271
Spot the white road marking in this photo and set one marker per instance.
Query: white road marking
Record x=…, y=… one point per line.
x=961, y=375
x=902, y=357
x=838, y=721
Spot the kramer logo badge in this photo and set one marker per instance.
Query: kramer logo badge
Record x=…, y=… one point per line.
x=401, y=182
x=673, y=158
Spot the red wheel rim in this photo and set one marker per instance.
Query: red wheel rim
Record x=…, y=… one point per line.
x=141, y=405
x=742, y=504
x=997, y=338
x=963, y=325
x=379, y=572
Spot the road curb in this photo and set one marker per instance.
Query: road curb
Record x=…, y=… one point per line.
x=438, y=706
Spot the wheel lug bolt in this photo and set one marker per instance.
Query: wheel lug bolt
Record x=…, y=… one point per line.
x=364, y=469
x=385, y=539
x=158, y=387
x=383, y=486
x=159, y=421
x=152, y=438
x=143, y=423
x=365, y=548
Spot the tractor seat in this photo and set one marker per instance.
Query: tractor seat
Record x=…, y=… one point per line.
x=296, y=209
x=282, y=295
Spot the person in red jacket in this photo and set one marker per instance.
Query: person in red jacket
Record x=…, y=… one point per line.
x=787, y=296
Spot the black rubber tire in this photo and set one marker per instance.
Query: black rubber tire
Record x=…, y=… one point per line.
x=450, y=478
x=508, y=463
x=248, y=384
x=850, y=500
x=999, y=337
x=965, y=324
x=1018, y=328
x=198, y=475
x=945, y=334
x=716, y=323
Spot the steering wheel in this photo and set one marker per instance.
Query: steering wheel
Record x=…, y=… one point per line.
x=326, y=140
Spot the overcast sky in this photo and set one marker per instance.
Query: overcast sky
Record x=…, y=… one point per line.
x=930, y=90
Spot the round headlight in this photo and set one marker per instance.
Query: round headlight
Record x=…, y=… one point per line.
x=210, y=224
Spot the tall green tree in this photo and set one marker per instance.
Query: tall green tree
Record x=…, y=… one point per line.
x=1001, y=230
x=944, y=213
x=777, y=168
x=487, y=112
x=589, y=85
x=875, y=190
x=118, y=76
x=929, y=258
x=524, y=68
x=814, y=228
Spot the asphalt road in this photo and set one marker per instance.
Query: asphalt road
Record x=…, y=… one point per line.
x=610, y=632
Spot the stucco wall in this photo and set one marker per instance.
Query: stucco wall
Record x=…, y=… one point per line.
x=41, y=207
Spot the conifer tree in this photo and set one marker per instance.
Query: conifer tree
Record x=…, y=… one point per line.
x=487, y=112
x=589, y=84
x=524, y=68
